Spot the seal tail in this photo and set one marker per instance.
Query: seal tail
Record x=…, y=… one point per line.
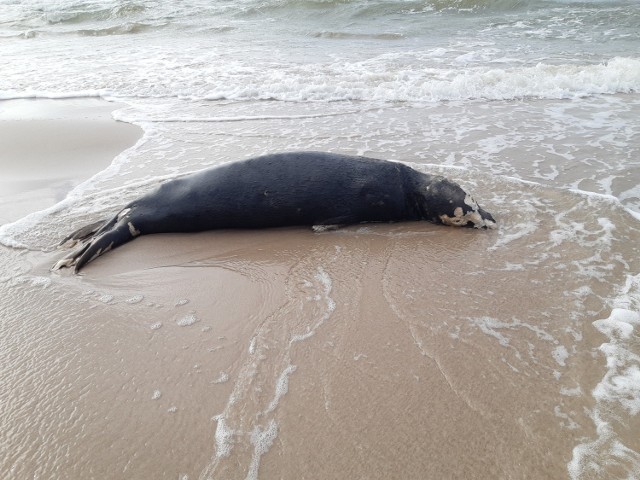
x=111, y=235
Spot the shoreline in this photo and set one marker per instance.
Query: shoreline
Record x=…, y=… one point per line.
x=50, y=146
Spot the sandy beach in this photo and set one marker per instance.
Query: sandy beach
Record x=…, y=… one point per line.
x=374, y=351
x=381, y=351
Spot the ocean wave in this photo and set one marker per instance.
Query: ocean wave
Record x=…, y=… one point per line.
x=389, y=78
x=361, y=8
x=381, y=80
x=123, y=29
x=62, y=12
x=69, y=14
x=82, y=12
x=343, y=18
x=358, y=36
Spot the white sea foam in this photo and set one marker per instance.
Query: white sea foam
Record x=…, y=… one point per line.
x=135, y=299
x=105, y=298
x=491, y=326
x=617, y=394
x=545, y=81
x=222, y=119
x=282, y=387
x=325, y=281
x=187, y=320
x=622, y=381
x=222, y=378
x=43, y=282
x=261, y=441
x=560, y=355
x=327, y=284
x=375, y=80
x=571, y=392
x=390, y=77
x=223, y=437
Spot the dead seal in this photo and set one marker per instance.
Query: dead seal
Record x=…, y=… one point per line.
x=300, y=188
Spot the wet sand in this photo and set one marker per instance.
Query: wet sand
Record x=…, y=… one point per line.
x=386, y=351
x=50, y=146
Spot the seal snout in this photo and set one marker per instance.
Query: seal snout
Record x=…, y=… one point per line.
x=487, y=220
x=480, y=219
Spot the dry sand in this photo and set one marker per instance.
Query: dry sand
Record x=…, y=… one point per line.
x=362, y=353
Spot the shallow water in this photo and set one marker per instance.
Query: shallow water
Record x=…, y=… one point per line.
x=372, y=351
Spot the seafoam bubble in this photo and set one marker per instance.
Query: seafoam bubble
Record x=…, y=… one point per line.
x=187, y=320
x=43, y=282
x=222, y=378
x=490, y=326
x=622, y=381
x=560, y=355
x=156, y=395
x=568, y=421
x=135, y=299
x=181, y=302
x=223, y=437
x=571, y=392
x=106, y=298
x=261, y=441
x=156, y=326
x=282, y=387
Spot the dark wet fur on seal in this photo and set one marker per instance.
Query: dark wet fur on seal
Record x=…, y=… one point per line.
x=301, y=188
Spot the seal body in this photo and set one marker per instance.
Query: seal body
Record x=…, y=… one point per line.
x=300, y=188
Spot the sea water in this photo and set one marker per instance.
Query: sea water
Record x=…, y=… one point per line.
x=534, y=106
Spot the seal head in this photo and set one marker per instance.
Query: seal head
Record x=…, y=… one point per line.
x=447, y=203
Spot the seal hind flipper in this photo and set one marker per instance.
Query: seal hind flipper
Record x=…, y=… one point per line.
x=111, y=235
x=83, y=233
x=70, y=260
x=102, y=244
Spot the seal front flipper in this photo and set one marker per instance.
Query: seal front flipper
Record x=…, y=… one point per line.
x=332, y=223
x=327, y=228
